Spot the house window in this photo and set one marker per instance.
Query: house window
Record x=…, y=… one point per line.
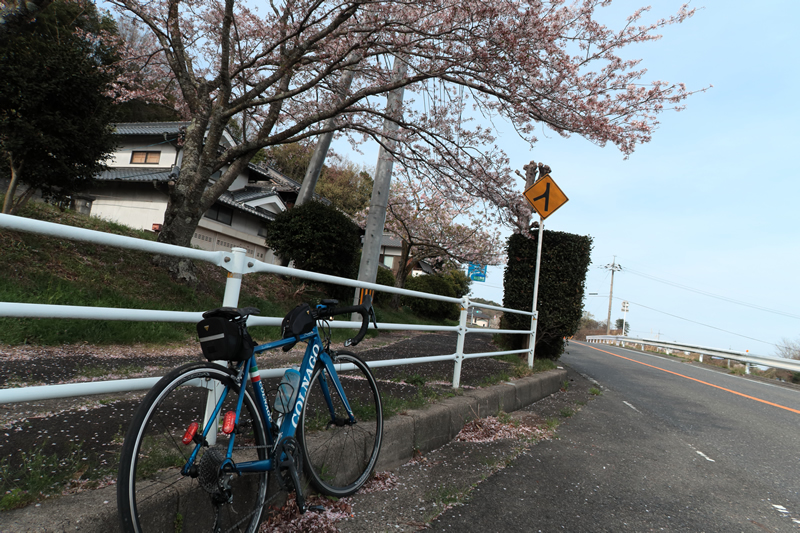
x=147, y=158
x=220, y=213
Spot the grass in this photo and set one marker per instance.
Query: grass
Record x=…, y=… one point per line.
x=41, y=475
x=425, y=395
x=594, y=391
x=44, y=270
x=520, y=367
x=567, y=412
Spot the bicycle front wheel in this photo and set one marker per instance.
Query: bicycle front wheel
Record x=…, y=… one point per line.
x=153, y=495
x=339, y=454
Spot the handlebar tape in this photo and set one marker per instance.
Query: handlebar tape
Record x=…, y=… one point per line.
x=361, y=310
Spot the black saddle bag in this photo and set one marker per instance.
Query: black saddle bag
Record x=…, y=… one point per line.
x=223, y=339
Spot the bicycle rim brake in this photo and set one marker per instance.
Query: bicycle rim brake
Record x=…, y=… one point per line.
x=339, y=454
x=154, y=495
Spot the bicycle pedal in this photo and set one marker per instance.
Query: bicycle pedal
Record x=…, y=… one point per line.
x=316, y=508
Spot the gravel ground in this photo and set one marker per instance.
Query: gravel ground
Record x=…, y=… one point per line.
x=87, y=431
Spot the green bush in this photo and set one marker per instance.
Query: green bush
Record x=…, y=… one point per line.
x=459, y=281
x=433, y=284
x=565, y=260
x=385, y=277
x=319, y=238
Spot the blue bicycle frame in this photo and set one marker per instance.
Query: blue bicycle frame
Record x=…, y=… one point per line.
x=315, y=353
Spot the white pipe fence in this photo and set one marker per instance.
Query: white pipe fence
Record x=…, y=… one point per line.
x=743, y=357
x=237, y=264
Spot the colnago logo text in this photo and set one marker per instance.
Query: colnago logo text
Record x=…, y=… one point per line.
x=301, y=397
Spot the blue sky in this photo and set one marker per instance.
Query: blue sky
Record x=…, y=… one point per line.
x=710, y=202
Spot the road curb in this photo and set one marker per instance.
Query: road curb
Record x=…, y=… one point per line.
x=424, y=430
x=411, y=432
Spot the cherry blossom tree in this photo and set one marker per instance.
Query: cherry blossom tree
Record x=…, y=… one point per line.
x=439, y=229
x=278, y=71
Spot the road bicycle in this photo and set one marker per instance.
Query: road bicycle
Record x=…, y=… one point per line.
x=201, y=446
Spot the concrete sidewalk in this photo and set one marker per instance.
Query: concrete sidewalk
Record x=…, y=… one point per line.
x=409, y=433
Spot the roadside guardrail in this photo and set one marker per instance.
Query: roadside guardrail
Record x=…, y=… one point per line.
x=743, y=357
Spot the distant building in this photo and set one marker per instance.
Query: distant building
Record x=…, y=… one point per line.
x=133, y=191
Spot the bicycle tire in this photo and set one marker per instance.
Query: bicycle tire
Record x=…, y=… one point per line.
x=339, y=457
x=153, y=495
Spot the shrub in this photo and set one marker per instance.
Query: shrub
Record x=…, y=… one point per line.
x=319, y=238
x=433, y=284
x=565, y=260
x=385, y=277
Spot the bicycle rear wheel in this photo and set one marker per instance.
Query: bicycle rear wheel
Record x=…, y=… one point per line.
x=153, y=495
x=339, y=456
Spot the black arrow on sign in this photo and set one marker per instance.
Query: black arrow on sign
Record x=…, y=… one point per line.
x=546, y=196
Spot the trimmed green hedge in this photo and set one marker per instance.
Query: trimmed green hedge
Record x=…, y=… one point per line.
x=565, y=261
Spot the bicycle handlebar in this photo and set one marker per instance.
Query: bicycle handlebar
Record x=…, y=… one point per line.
x=362, y=310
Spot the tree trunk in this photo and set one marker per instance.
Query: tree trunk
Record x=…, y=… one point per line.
x=180, y=222
x=12, y=186
x=402, y=273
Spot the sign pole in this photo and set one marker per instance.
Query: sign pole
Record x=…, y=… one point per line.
x=535, y=317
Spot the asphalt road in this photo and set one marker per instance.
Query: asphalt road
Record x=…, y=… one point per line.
x=668, y=446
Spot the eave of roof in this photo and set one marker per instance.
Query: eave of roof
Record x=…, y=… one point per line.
x=227, y=198
x=134, y=175
x=149, y=128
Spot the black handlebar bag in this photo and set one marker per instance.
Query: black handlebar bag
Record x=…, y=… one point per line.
x=298, y=321
x=223, y=339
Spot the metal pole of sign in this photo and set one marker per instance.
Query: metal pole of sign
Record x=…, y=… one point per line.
x=535, y=308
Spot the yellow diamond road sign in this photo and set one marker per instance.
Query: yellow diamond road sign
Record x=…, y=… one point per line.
x=545, y=196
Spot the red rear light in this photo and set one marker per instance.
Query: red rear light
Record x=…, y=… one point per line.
x=190, y=433
x=229, y=423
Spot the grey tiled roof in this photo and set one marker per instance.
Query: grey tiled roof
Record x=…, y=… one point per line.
x=137, y=174
x=148, y=128
x=249, y=194
x=228, y=198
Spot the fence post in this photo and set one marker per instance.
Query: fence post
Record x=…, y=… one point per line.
x=532, y=345
x=462, y=334
x=233, y=284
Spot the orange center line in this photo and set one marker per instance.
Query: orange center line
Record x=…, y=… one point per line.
x=694, y=379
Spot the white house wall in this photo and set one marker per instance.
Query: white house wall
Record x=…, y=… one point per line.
x=211, y=235
x=134, y=206
x=122, y=156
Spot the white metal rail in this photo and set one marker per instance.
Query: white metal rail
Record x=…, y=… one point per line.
x=237, y=264
x=743, y=357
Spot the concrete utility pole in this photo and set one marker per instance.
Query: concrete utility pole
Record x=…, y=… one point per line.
x=613, y=267
x=376, y=219
x=323, y=145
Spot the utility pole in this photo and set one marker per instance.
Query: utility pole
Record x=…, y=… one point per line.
x=613, y=267
x=376, y=219
x=324, y=142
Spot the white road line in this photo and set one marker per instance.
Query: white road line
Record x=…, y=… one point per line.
x=665, y=357
x=632, y=407
x=704, y=456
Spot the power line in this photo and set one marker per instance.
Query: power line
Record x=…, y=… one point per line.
x=700, y=323
x=711, y=295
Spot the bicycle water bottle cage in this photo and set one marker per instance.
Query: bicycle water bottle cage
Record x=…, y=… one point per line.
x=298, y=321
x=223, y=334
